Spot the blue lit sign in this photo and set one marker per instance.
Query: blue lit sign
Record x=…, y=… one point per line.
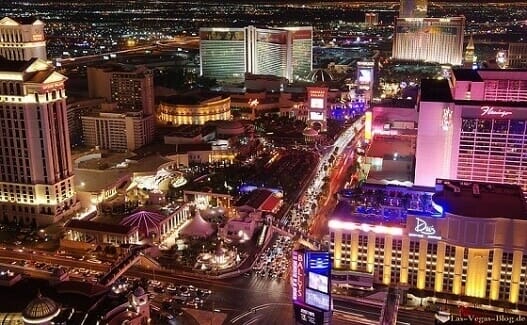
x=318, y=262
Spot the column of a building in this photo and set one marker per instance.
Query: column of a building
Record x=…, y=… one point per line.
x=458, y=270
x=387, y=260
x=354, y=251
x=421, y=266
x=495, y=274
x=477, y=266
x=370, y=257
x=337, y=249
x=515, y=276
x=440, y=266
x=405, y=253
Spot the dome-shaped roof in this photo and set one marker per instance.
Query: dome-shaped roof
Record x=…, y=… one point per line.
x=320, y=75
x=40, y=309
x=309, y=132
x=147, y=221
x=139, y=291
x=230, y=127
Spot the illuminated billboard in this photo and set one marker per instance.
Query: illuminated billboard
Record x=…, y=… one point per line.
x=318, y=282
x=298, y=277
x=316, y=116
x=317, y=103
x=365, y=76
x=311, y=276
x=318, y=262
x=367, y=125
x=317, y=299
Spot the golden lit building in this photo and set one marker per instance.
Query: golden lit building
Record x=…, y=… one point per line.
x=429, y=39
x=195, y=108
x=36, y=171
x=22, y=38
x=474, y=246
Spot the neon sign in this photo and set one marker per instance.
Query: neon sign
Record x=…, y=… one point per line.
x=298, y=276
x=423, y=228
x=446, y=118
x=492, y=111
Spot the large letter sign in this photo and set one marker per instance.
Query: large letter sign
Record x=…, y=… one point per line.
x=423, y=228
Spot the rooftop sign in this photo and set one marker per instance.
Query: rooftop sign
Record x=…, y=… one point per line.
x=492, y=111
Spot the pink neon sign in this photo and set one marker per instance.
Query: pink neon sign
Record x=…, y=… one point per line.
x=492, y=111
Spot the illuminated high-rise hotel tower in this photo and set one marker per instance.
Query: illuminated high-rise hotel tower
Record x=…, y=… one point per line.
x=226, y=54
x=418, y=38
x=413, y=8
x=22, y=39
x=36, y=172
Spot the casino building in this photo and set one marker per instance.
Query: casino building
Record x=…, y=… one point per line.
x=194, y=108
x=473, y=245
x=429, y=39
x=226, y=54
x=473, y=126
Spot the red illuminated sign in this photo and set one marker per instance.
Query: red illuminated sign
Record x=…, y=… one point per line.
x=317, y=92
x=492, y=111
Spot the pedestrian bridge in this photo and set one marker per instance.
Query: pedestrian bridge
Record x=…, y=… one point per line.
x=124, y=264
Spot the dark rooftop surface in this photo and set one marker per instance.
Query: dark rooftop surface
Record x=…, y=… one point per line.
x=186, y=147
x=433, y=90
x=14, y=66
x=98, y=226
x=194, y=98
x=467, y=75
x=396, y=102
x=491, y=103
x=24, y=20
x=480, y=200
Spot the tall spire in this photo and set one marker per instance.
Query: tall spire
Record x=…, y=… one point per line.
x=469, y=53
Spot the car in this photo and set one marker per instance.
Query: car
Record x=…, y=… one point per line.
x=94, y=261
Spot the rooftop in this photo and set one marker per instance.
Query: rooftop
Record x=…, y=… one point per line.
x=467, y=75
x=98, y=226
x=193, y=98
x=480, y=200
x=14, y=66
x=383, y=145
x=434, y=90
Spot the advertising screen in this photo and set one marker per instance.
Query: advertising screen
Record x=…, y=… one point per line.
x=319, y=262
x=317, y=102
x=318, y=282
x=317, y=299
x=316, y=116
x=365, y=76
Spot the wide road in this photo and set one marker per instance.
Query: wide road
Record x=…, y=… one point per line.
x=181, y=42
x=337, y=180
x=246, y=299
x=357, y=311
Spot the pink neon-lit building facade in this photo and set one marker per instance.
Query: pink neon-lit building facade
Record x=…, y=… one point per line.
x=473, y=126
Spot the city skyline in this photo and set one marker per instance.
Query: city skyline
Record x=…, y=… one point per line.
x=314, y=163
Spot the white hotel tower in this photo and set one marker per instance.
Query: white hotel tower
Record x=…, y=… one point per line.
x=36, y=172
x=22, y=39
